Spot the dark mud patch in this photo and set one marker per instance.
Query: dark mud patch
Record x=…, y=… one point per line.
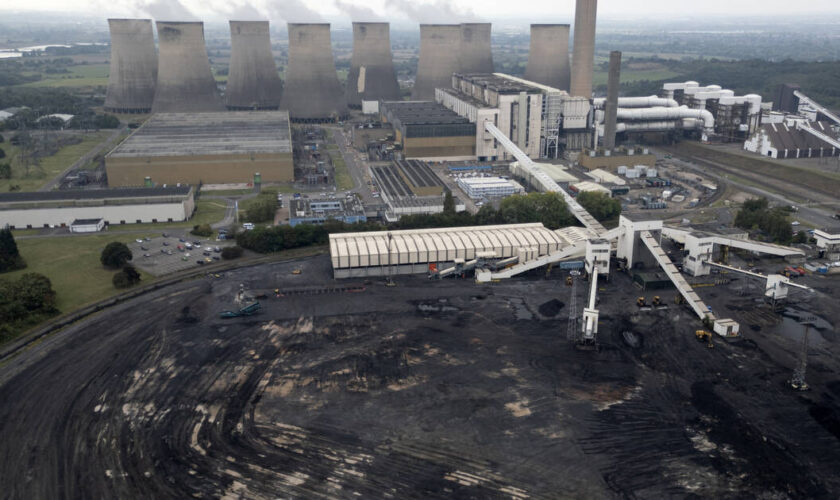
x=551, y=308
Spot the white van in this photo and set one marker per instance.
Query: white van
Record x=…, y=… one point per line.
x=247, y=226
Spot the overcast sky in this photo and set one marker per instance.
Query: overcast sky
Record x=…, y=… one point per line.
x=423, y=10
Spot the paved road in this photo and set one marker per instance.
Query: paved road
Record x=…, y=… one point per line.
x=83, y=160
x=806, y=214
x=357, y=166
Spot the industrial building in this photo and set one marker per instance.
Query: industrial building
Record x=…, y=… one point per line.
x=427, y=130
x=489, y=187
x=415, y=251
x=419, y=178
x=540, y=120
x=302, y=211
x=253, y=81
x=208, y=148
x=134, y=65
x=185, y=82
x=794, y=140
x=114, y=206
x=548, y=56
x=312, y=92
x=372, y=76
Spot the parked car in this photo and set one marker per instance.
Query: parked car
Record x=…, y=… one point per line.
x=139, y=240
x=144, y=248
x=188, y=245
x=165, y=235
x=217, y=249
x=166, y=243
x=199, y=262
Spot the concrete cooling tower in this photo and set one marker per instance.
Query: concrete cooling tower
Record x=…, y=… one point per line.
x=184, y=81
x=476, y=55
x=253, y=82
x=131, y=79
x=372, y=76
x=312, y=91
x=583, y=51
x=548, y=57
x=439, y=58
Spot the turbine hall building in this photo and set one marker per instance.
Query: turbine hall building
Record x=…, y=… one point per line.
x=428, y=131
x=208, y=148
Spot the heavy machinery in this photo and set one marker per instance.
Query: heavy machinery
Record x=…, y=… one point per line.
x=704, y=336
x=641, y=302
x=245, y=311
x=569, y=281
x=657, y=301
x=296, y=271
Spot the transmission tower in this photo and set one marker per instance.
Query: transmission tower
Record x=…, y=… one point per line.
x=572, y=331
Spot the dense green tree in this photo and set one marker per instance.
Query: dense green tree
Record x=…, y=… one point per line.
x=448, y=203
x=5, y=171
x=262, y=208
x=756, y=214
x=600, y=205
x=34, y=292
x=2, y=153
x=10, y=258
x=115, y=255
x=202, y=230
x=126, y=277
x=230, y=253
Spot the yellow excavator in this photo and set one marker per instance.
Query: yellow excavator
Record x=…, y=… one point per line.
x=657, y=301
x=641, y=302
x=704, y=336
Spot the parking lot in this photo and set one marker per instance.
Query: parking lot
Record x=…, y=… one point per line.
x=164, y=255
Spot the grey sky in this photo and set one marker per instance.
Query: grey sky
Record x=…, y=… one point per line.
x=486, y=9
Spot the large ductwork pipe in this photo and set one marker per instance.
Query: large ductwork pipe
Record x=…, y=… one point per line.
x=372, y=76
x=639, y=102
x=475, y=55
x=688, y=123
x=583, y=51
x=670, y=88
x=439, y=59
x=184, y=82
x=312, y=91
x=611, y=106
x=253, y=82
x=133, y=70
x=664, y=114
x=548, y=56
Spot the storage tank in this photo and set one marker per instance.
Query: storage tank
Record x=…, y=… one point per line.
x=439, y=59
x=312, y=91
x=475, y=55
x=583, y=51
x=548, y=56
x=372, y=76
x=253, y=81
x=133, y=70
x=184, y=81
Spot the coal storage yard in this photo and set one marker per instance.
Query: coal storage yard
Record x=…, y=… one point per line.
x=425, y=389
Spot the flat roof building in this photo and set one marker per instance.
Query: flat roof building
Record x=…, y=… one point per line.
x=419, y=177
x=113, y=206
x=310, y=211
x=428, y=130
x=208, y=148
x=488, y=187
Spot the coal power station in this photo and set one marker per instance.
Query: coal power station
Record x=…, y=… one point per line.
x=548, y=56
x=184, y=82
x=134, y=63
x=475, y=54
x=372, y=76
x=583, y=55
x=253, y=81
x=312, y=91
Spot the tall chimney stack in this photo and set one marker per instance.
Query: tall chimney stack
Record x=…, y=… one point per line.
x=611, y=105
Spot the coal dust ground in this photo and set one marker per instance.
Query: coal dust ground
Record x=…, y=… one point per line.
x=423, y=390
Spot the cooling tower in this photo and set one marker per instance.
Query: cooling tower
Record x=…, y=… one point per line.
x=439, y=58
x=372, y=76
x=548, y=57
x=476, y=55
x=611, y=105
x=131, y=79
x=312, y=91
x=184, y=82
x=253, y=82
x=583, y=51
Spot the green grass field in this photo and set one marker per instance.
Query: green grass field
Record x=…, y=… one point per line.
x=87, y=75
x=50, y=166
x=72, y=264
x=343, y=181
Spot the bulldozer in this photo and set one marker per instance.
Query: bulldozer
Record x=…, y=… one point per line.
x=569, y=281
x=704, y=336
x=657, y=301
x=641, y=302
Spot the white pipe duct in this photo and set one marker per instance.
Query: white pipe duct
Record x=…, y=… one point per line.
x=638, y=102
x=659, y=126
x=664, y=114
